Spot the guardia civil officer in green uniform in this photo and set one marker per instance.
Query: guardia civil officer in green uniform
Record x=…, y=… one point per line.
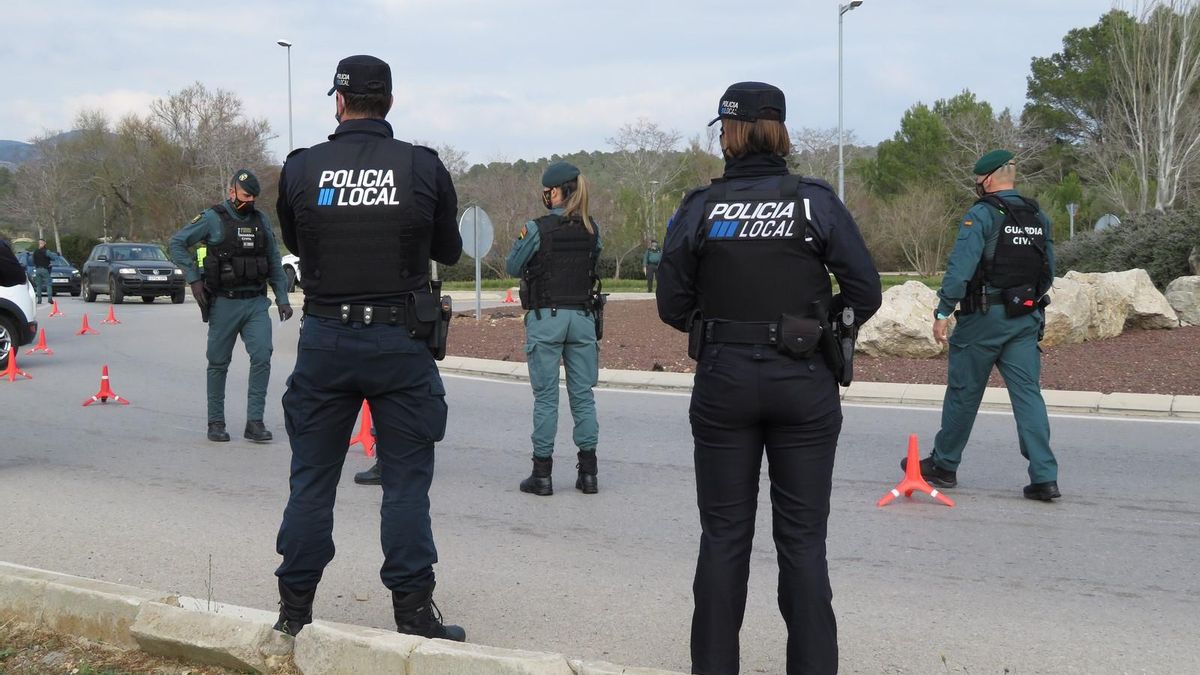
x=231, y=289
x=998, y=274
x=555, y=256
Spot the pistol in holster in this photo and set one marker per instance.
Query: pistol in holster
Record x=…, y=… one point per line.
x=695, y=331
x=595, y=305
x=428, y=318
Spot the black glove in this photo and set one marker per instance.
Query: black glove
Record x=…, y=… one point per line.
x=200, y=293
x=285, y=312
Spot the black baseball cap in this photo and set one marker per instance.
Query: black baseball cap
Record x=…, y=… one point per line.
x=750, y=102
x=362, y=74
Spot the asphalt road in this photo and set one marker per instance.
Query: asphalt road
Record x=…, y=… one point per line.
x=1105, y=581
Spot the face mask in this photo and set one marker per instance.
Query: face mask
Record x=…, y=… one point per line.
x=241, y=206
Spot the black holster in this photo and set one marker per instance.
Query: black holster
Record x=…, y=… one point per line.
x=846, y=333
x=695, y=331
x=596, y=303
x=429, y=319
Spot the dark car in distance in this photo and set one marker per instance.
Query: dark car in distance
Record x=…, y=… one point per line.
x=64, y=277
x=122, y=269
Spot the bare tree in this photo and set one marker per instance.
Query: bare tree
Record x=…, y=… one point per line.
x=1151, y=143
x=974, y=132
x=814, y=151
x=919, y=224
x=648, y=159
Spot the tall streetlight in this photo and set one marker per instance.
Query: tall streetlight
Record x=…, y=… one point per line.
x=842, y=9
x=288, y=45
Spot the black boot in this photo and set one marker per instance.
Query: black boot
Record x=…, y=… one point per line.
x=540, y=481
x=217, y=433
x=587, y=473
x=295, y=610
x=934, y=474
x=371, y=476
x=257, y=431
x=1045, y=492
x=416, y=614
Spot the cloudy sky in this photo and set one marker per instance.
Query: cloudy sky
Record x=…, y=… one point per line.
x=511, y=79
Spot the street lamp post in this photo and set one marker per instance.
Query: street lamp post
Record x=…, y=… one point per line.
x=288, y=46
x=842, y=9
x=650, y=212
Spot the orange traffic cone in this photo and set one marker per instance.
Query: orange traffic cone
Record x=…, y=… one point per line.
x=85, y=329
x=364, y=433
x=913, y=481
x=41, y=345
x=105, y=392
x=112, y=317
x=54, y=311
x=508, y=298
x=12, y=371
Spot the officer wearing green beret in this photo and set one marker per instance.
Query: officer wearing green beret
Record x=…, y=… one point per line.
x=998, y=274
x=231, y=289
x=555, y=257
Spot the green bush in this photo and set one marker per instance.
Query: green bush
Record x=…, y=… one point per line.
x=77, y=247
x=1156, y=242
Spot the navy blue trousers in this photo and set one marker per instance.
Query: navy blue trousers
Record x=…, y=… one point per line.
x=745, y=399
x=337, y=366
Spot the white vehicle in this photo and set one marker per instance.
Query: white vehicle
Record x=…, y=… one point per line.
x=18, y=319
x=291, y=269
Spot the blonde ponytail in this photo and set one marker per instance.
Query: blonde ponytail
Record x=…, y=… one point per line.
x=577, y=203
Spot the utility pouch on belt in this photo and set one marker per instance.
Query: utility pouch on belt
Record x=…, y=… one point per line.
x=524, y=295
x=424, y=312
x=695, y=331
x=799, y=336
x=1019, y=300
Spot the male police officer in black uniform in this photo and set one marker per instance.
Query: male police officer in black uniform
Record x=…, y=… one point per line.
x=744, y=268
x=365, y=212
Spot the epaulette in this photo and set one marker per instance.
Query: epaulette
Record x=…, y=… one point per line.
x=294, y=152
x=426, y=147
x=816, y=182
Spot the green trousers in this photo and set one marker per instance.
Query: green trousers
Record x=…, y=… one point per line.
x=981, y=341
x=228, y=319
x=567, y=336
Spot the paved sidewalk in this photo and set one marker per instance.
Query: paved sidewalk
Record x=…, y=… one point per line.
x=882, y=393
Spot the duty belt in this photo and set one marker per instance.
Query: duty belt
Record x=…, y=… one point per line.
x=393, y=315
x=241, y=295
x=742, y=332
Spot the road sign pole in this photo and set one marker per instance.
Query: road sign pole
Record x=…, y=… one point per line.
x=478, y=276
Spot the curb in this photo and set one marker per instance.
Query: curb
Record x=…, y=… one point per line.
x=876, y=393
x=197, y=631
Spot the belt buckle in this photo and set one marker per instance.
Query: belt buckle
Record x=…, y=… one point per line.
x=345, y=311
x=367, y=312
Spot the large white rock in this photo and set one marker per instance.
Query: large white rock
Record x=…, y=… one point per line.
x=903, y=326
x=1069, y=315
x=1125, y=299
x=1184, y=296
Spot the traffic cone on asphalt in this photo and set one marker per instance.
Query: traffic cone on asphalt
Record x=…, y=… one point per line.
x=509, y=298
x=41, y=345
x=12, y=372
x=105, y=392
x=54, y=311
x=112, y=317
x=364, y=433
x=85, y=329
x=913, y=481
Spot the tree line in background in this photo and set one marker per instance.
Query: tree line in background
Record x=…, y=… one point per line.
x=1111, y=124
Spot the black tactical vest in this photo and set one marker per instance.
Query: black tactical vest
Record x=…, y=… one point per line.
x=240, y=260
x=356, y=219
x=758, y=256
x=1020, y=257
x=560, y=273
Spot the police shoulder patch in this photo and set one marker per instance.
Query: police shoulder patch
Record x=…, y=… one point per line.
x=968, y=222
x=198, y=217
x=524, y=231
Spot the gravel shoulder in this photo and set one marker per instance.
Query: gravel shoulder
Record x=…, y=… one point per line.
x=1139, y=361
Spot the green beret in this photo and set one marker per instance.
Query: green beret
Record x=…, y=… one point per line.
x=246, y=180
x=558, y=173
x=992, y=161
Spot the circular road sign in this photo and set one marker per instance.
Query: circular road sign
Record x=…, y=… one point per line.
x=1106, y=221
x=474, y=224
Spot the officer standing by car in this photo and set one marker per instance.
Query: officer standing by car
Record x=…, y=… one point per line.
x=366, y=212
x=231, y=290
x=555, y=257
x=42, y=265
x=998, y=275
x=745, y=271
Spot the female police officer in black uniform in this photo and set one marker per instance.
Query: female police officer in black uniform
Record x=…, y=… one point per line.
x=745, y=267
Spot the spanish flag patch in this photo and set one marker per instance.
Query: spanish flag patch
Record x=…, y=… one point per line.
x=524, y=231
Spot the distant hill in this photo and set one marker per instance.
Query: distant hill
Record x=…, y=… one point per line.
x=15, y=152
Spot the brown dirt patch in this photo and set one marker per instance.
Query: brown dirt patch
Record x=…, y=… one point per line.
x=1141, y=361
x=25, y=650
